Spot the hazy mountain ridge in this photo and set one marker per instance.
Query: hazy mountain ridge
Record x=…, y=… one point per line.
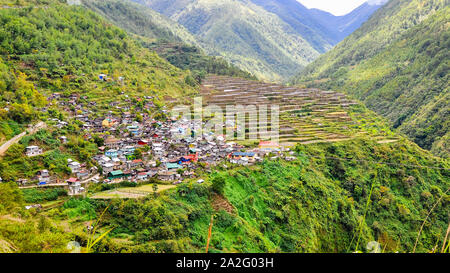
x=269, y=38
x=342, y=26
x=322, y=29
x=301, y=20
x=243, y=33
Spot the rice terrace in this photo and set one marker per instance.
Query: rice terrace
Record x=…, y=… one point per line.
x=306, y=115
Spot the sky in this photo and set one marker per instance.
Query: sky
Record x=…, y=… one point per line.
x=336, y=7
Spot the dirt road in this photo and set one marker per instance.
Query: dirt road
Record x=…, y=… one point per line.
x=16, y=139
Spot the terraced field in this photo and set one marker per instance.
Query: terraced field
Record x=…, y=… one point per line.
x=306, y=115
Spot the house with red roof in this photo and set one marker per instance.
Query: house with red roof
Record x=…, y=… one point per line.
x=189, y=158
x=268, y=146
x=72, y=180
x=134, y=164
x=143, y=142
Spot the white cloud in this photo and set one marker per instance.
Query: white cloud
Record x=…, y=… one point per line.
x=338, y=7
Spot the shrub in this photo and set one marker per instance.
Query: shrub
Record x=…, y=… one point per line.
x=39, y=195
x=218, y=184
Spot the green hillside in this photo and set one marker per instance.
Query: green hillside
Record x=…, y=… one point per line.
x=313, y=204
x=243, y=33
x=141, y=20
x=57, y=48
x=169, y=39
x=397, y=63
x=51, y=48
x=18, y=97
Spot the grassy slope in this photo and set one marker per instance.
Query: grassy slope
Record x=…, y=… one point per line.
x=397, y=63
x=22, y=231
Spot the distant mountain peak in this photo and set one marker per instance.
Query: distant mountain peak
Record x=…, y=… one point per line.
x=377, y=2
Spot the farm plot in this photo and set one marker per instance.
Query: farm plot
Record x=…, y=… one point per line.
x=131, y=192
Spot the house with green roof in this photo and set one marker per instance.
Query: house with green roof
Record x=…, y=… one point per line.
x=119, y=174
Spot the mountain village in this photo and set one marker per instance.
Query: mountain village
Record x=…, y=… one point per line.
x=141, y=149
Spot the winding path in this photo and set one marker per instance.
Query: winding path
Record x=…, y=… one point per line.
x=16, y=139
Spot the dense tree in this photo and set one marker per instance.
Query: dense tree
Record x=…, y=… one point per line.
x=10, y=197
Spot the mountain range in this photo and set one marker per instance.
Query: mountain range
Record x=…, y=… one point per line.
x=340, y=27
x=92, y=73
x=320, y=28
x=169, y=39
x=398, y=64
x=415, y=107
x=272, y=39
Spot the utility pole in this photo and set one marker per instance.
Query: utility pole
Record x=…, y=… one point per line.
x=209, y=233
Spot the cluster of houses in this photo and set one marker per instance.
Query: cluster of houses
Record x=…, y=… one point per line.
x=80, y=171
x=169, y=151
x=138, y=149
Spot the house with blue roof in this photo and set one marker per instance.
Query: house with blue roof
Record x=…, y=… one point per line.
x=172, y=166
x=133, y=129
x=112, y=153
x=238, y=155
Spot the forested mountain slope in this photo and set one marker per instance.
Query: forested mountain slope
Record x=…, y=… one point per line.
x=141, y=20
x=49, y=47
x=169, y=39
x=398, y=64
x=313, y=204
x=243, y=33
